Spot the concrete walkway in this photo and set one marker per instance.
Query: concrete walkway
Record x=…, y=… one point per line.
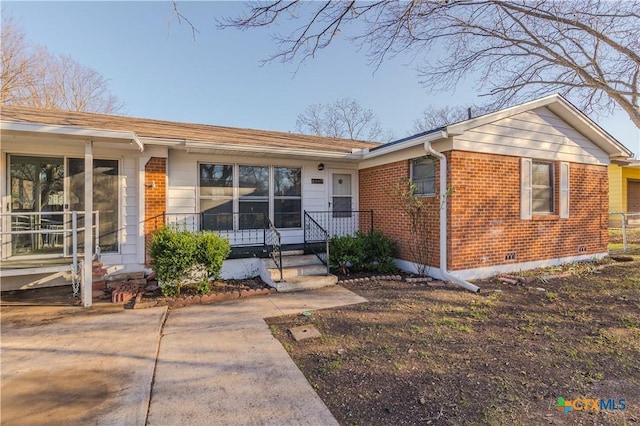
x=209, y=364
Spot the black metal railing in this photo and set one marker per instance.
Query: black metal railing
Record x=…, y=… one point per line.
x=316, y=240
x=346, y=222
x=273, y=245
x=242, y=229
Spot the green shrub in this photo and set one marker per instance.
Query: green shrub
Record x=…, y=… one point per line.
x=181, y=256
x=379, y=251
x=372, y=252
x=212, y=251
x=346, y=253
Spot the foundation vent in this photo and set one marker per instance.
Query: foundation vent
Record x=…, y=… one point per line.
x=510, y=256
x=582, y=249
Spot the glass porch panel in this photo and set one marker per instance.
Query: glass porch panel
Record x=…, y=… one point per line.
x=36, y=186
x=105, y=198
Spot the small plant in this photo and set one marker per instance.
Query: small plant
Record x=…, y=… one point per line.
x=379, y=252
x=423, y=213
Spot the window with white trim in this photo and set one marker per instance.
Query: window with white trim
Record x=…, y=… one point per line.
x=542, y=187
x=253, y=203
x=539, y=188
x=423, y=175
x=216, y=196
x=287, y=197
x=239, y=197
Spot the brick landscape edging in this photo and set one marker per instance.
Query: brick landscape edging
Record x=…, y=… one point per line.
x=179, y=302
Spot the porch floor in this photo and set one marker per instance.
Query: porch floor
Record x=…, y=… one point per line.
x=17, y=262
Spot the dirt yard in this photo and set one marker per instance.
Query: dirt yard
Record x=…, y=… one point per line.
x=444, y=356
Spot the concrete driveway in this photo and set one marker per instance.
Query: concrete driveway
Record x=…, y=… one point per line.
x=198, y=365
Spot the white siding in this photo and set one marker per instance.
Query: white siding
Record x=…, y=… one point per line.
x=538, y=134
x=182, y=191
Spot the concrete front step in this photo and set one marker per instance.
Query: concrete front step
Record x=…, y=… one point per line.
x=298, y=271
x=293, y=261
x=307, y=282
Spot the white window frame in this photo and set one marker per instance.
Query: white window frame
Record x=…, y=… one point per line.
x=275, y=197
x=526, y=189
x=235, y=198
x=551, y=187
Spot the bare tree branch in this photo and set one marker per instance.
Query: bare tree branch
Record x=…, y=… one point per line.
x=33, y=76
x=588, y=50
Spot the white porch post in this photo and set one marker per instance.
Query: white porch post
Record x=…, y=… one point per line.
x=87, y=284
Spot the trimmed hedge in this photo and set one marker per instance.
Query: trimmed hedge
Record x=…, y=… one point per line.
x=181, y=257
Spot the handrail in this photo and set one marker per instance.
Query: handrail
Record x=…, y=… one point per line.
x=343, y=222
x=314, y=234
x=273, y=244
x=68, y=226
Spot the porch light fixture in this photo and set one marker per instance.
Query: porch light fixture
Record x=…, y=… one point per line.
x=321, y=166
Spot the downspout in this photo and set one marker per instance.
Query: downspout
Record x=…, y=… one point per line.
x=443, y=223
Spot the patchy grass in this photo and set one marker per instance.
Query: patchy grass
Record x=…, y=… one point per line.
x=417, y=355
x=633, y=241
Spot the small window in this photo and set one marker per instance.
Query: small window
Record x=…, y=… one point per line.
x=542, y=186
x=423, y=175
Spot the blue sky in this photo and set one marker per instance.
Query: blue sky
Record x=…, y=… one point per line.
x=154, y=65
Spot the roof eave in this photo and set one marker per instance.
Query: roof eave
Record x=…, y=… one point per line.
x=82, y=132
x=199, y=146
x=408, y=143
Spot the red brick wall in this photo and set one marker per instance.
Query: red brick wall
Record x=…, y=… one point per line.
x=485, y=213
x=377, y=194
x=155, y=200
x=483, y=218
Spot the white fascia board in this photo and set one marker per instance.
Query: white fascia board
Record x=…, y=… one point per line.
x=163, y=142
x=409, y=143
x=207, y=146
x=83, y=132
x=199, y=146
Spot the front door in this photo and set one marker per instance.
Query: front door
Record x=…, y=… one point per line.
x=342, y=204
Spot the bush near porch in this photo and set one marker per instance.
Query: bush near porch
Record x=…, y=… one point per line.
x=373, y=252
x=181, y=257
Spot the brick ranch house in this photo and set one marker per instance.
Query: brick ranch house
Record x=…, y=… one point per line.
x=528, y=186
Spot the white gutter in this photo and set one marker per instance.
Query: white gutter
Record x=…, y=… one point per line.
x=73, y=131
x=443, y=222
